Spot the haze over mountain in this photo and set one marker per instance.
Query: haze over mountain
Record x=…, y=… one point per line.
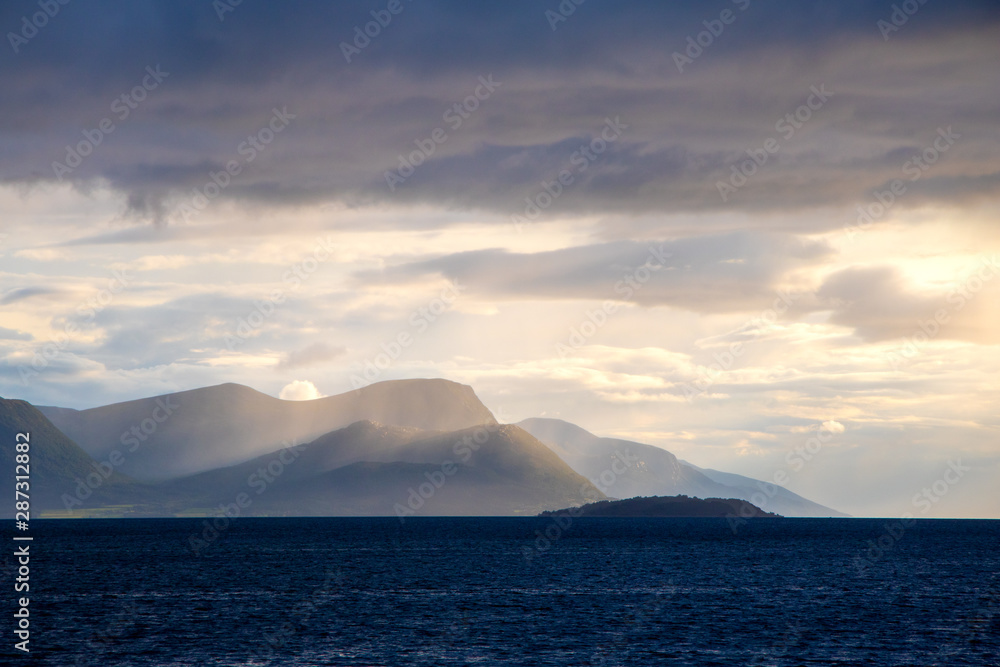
x=403, y=447
x=366, y=468
x=783, y=501
x=57, y=464
x=201, y=429
x=645, y=470
x=373, y=469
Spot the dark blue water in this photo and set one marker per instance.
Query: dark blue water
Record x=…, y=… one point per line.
x=498, y=592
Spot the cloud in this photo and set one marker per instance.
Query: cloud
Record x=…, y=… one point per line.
x=21, y=293
x=11, y=334
x=354, y=120
x=833, y=427
x=313, y=354
x=42, y=254
x=880, y=304
x=724, y=273
x=299, y=390
x=193, y=316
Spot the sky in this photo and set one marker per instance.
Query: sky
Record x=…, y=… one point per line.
x=725, y=228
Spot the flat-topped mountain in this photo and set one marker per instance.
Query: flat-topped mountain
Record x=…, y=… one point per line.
x=408, y=447
x=201, y=429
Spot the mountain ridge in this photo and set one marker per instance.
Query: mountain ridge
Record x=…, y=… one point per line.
x=211, y=444
x=60, y=472
x=657, y=472
x=229, y=423
x=480, y=471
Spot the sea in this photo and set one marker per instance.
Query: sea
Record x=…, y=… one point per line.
x=508, y=591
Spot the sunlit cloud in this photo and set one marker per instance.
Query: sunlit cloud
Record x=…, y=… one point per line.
x=299, y=390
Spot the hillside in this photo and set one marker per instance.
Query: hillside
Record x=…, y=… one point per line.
x=202, y=429
x=371, y=469
x=638, y=469
x=58, y=465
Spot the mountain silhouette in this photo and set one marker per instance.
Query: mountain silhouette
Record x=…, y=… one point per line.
x=57, y=465
x=201, y=429
x=638, y=469
x=668, y=506
x=369, y=468
x=405, y=447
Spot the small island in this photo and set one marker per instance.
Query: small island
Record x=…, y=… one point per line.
x=667, y=506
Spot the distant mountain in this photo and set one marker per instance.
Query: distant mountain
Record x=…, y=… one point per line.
x=784, y=501
x=427, y=447
x=192, y=431
x=630, y=468
x=668, y=506
x=634, y=469
x=373, y=469
x=58, y=465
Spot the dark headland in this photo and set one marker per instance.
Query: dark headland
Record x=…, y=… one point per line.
x=667, y=506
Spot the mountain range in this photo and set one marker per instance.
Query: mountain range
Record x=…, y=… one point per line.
x=653, y=471
x=403, y=447
x=197, y=430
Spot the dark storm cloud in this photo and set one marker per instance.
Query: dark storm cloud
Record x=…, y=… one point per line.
x=218, y=82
